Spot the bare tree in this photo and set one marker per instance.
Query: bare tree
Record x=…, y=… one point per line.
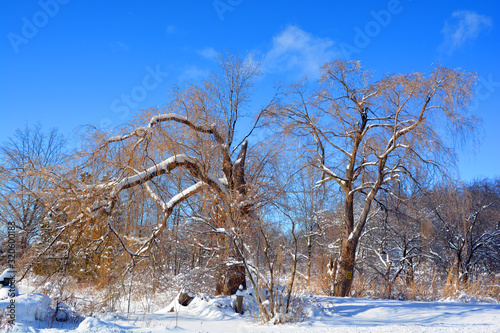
x=467, y=233
x=393, y=241
x=308, y=207
x=364, y=135
x=29, y=150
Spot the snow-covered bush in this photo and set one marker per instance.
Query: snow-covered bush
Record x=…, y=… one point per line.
x=197, y=281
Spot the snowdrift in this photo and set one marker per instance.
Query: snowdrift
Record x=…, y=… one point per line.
x=36, y=313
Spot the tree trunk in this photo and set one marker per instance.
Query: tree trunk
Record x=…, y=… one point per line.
x=230, y=280
x=234, y=275
x=309, y=260
x=410, y=276
x=388, y=282
x=345, y=270
x=387, y=289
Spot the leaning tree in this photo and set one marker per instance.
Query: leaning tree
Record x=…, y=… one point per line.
x=192, y=150
x=366, y=134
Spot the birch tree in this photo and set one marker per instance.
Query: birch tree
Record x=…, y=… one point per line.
x=365, y=134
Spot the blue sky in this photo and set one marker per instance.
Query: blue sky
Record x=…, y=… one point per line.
x=66, y=63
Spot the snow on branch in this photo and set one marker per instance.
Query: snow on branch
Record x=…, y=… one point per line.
x=142, y=131
x=332, y=176
x=166, y=206
x=164, y=167
x=168, y=209
x=139, y=132
x=210, y=129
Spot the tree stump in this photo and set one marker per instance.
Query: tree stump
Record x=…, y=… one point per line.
x=239, y=300
x=6, y=277
x=185, y=298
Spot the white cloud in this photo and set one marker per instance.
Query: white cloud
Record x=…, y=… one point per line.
x=299, y=51
x=170, y=29
x=208, y=52
x=462, y=27
x=119, y=46
x=193, y=74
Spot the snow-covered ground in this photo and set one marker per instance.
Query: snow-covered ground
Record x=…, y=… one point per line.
x=323, y=314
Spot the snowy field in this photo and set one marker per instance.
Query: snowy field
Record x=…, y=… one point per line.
x=321, y=314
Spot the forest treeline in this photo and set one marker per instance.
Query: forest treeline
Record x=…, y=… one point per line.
x=343, y=186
